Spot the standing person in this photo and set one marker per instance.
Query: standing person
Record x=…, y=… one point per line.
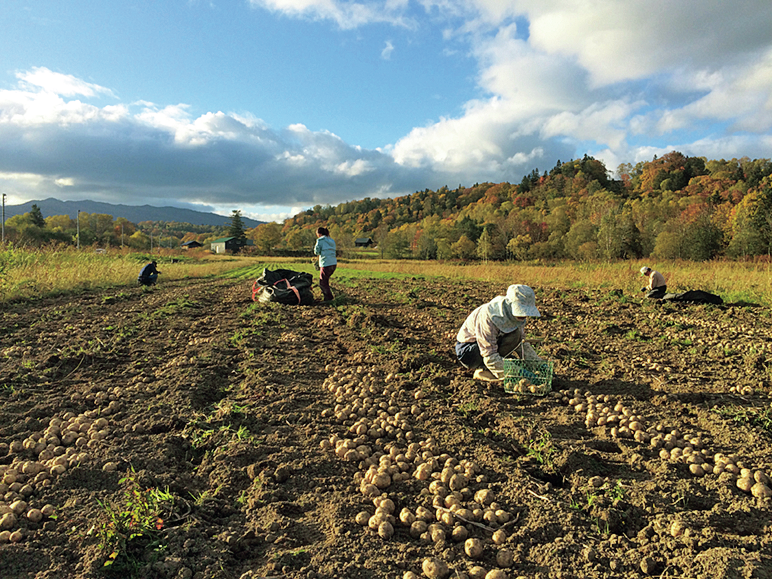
x=148, y=275
x=325, y=249
x=656, y=287
x=495, y=330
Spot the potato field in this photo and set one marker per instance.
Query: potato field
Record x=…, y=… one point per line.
x=185, y=432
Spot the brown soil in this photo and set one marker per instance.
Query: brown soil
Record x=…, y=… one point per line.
x=225, y=405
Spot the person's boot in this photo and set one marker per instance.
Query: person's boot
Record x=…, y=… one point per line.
x=485, y=375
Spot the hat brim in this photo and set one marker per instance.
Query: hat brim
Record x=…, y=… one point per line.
x=522, y=311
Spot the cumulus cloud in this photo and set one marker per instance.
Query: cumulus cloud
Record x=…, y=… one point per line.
x=554, y=80
x=144, y=153
x=589, y=76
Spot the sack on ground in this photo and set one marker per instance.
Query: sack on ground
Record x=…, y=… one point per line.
x=283, y=286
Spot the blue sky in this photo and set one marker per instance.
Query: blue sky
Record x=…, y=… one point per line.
x=273, y=106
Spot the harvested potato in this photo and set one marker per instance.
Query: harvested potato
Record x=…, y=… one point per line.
x=7, y=521
x=745, y=484
x=385, y=530
x=459, y=534
x=505, y=558
x=473, y=548
x=435, y=568
x=761, y=491
x=34, y=515
x=418, y=528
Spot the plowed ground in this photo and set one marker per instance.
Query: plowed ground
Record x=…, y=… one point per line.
x=220, y=408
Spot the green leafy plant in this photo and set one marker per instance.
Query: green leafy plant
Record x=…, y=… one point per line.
x=129, y=529
x=468, y=408
x=759, y=417
x=541, y=449
x=617, y=493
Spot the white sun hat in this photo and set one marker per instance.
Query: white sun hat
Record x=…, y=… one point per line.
x=523, y=301
x=645, y=269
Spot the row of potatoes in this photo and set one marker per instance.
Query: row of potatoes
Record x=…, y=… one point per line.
x=37, y=461
x=671, y=444
x=379, y=417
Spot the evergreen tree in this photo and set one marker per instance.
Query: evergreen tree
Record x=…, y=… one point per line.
x=237, y=228
x=36, y=216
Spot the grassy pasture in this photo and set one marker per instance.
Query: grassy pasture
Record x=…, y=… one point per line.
x=735, y=282
x=31, y=273
x=28, y=273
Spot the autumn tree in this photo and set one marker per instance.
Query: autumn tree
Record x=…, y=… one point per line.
x=266, y=236
x=464, y=248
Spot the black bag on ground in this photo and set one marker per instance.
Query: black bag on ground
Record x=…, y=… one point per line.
x=283, y=286
x=694, y=297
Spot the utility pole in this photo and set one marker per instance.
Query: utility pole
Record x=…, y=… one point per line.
x=78, y=226
x=3, y=218
x=121, y=235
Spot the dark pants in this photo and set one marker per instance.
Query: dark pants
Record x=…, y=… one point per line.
x=324, y=280
x=468, y=353
x=148, y=280
x=657, y=292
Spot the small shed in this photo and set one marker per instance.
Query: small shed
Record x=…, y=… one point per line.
x=229, y=244
x=363, y=242
x=190, y=244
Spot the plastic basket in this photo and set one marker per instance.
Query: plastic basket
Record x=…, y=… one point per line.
x=531, y=377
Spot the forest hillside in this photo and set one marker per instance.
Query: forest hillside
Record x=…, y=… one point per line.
x=670, y=207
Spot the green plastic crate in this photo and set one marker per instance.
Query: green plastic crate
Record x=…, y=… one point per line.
x=531, y=377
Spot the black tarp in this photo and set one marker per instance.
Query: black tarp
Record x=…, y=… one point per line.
x=693, y=297
x=283, y=286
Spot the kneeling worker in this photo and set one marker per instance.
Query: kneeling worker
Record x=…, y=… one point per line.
x=495, y=330
x=656, y=287
x=148, y=275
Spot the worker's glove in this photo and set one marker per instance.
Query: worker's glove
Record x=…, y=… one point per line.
x=643, y=289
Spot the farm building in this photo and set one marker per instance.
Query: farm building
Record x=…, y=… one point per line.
x=190, y=244
x=229, y=244
x=363, y=242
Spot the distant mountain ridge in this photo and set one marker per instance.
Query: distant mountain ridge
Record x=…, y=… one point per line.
x=134, y=213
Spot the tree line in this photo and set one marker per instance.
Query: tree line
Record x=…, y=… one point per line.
x=670, y=207
x=103, y=230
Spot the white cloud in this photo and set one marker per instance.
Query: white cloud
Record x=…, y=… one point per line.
x=387, y=50
x=144, y=153
x=623, y=80
x=346, y=15
x=60, y=84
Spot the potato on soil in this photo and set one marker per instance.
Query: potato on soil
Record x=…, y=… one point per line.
x=505, y=558
x=761, y=491
x=385, y=530
x=435, y=568
x=473, y=548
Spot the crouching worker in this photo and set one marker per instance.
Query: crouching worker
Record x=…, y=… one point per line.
x=494, y=331
x=656, y=287
x=148, y=275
